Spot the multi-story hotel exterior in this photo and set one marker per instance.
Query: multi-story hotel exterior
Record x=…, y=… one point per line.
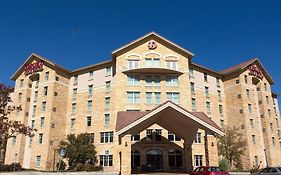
x=149, y=108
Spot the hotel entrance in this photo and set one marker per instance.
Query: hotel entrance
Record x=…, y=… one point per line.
x=154, y=160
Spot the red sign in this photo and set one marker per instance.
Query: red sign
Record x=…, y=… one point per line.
x=152, y=45
x=33, y=67
x=255, y=71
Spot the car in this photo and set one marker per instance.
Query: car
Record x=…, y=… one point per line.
x=269, y=171
x=208, y=170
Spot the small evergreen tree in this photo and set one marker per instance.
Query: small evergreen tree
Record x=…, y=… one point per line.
x=79, y=150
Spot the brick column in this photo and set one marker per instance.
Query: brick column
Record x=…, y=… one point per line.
x=126, y=155
x=212, y=150
x=187, y=156
x=206, y=145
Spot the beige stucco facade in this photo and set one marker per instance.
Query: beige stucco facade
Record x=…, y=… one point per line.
x=88, y=100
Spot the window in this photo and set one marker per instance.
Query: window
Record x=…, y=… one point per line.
x=35, y=96
x=152, y=62
x=246, y=79
x=45, y=90
x=248, y=93
x=133, y=97
x=252, y=123
x=157, y=80
x=72, y=123
x=220, y=109
x=269, y=112
x=106, y=160
x=40, y=139
x=74, y=108
x=277, y=124
x=47, y=76
x=135, y=137
x=89, y=121
x=172, y=80
x=133, y=64
x=250, y=108
x=21, y=83
x=197, y=138
x=172, y=64
x=254, y=139
x=198, y=159
x=34, y=110
x=191, y=74
x=208, y=106
x=222, y=123
x=32, y=124
x=20, y=97
x=14, y=140
x=106, y=137
x=75, y=82
x=157, y=96
x=74, y=93
x=148, y=97
x=218, y=82
x=108, y=71
x=38, y=161
x=90, y=90
x=265, y=88
x=36, y=84
x=107, y=86
x=275, y=111
x=175, y=158
x=135, y=159
x=273, y=140
x=158, y=134
x=273, y=101
x=133, y=80
x=149, y=134
x=174, y=97
x=106, y=119
x=192, y=89
x=42, y=122
x=30, y=140
x=148, y=80
x=267, y=100
x=173, y=137
x=57, y=78
x=237, y=81
x=90, y=105
x=271, y=126
x=207, y=91
x=219, y=95
x=193, y=101
x=43, y=106
x=107, y=103
x=256, y=161
x=91, y=75
x=205, y=77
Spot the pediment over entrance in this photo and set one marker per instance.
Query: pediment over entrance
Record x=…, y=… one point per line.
x=168, y=115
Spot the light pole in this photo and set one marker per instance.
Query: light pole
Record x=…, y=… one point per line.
x=265, y=157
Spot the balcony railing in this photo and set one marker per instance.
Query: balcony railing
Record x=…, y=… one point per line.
x=145, y=69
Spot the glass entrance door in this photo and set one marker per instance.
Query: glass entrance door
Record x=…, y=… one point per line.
x=154, y=160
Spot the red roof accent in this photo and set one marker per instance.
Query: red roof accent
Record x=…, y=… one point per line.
x=125, y=118
x=237, y=67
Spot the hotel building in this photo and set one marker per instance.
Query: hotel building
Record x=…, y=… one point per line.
x=150, y=108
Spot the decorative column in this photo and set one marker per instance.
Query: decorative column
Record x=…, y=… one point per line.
x=206, y=149
x=188, y=156
x=126, y=155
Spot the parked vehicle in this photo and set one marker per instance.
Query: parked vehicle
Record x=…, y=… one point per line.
x=208, y=170
x=269, y=171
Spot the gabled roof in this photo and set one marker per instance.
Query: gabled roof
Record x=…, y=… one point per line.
x=128, y=119
x=242, y=66
x=154, y=36
x=32, y=57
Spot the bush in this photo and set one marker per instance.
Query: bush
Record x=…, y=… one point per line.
x=11, y=167
x=223, y=165
x=88, y=167
x=61, y=165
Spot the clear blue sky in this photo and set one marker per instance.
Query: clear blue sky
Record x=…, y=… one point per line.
x=79, y=33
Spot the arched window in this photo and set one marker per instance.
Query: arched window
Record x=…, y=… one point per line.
x=175, y=158
x=135, y=158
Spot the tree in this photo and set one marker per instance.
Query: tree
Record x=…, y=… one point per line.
x=79, y=150
x=231, y=146
x=9, y=128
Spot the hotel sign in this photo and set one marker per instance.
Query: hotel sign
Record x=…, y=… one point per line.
x=33, y=67
x=255, y=71
x=152, y=45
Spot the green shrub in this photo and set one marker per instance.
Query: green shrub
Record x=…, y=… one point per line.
x=61, y=165
x=223, y=165
x=11, y=167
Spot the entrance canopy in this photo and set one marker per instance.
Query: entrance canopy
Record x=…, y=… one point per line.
x=168, y=115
